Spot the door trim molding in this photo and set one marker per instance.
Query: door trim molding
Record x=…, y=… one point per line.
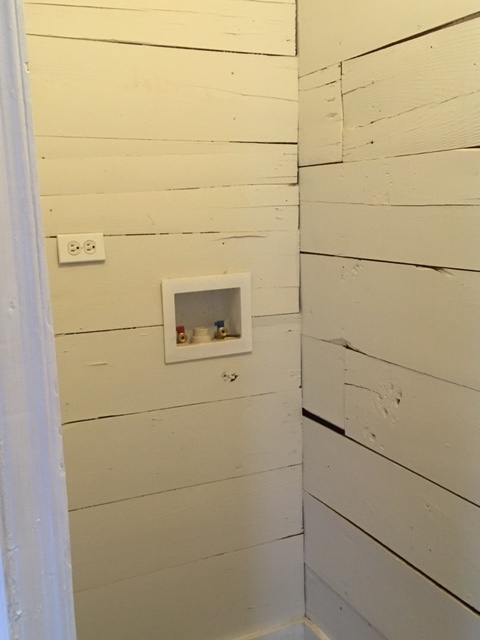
x=37, y=597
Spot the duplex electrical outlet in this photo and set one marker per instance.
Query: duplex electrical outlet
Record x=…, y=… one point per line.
x=81, y=247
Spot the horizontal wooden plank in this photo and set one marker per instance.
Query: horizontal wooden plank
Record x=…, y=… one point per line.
x=226, y=596
x=424, y=424
x=416, y=317
x=355, y=182
x=178, y=527
x=146, y=453
x=338, y=31
x=398, y=601
x=233, y=209
x=95, y=89
x=72, y=148
x=333, y=614
x=394, y=106
x=320, y=131
x=426, y=525
x=434, y=236
x=136, y=265
x=127, y=166
x=118, y=372
x=444, y=178
x=323, y=374
x=225, y=25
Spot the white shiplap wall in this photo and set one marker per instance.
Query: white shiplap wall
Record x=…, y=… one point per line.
x=167, y=129
x=389, y=191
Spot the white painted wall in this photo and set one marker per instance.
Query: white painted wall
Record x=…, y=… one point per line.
x=167, y=129
x=389, y=194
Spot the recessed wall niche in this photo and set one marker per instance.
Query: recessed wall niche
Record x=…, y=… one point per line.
x=207, y=316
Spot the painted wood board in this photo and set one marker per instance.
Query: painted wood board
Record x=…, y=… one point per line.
x=223, y=209
x=429, y=527
x=424, y=424
x=179, y=527
x=320, y=133
x=96, y=89
x=136, y=265
x=225, y=596
x=417, y=317
x=146, y=453
x=450, y=124
x=428, y=235
x=337, y=619
x=163, y=166
x=112, y=373
x=323, y=374
x=444, y=178
x=334, y=32
x=397, y=600
x=395, y=106
x=225, y=25
x=352, y=183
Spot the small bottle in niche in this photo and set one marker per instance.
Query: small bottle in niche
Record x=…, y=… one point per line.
x=221, y=332
x=181, y=335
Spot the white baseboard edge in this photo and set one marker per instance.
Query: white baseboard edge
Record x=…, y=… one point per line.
x=301, y=629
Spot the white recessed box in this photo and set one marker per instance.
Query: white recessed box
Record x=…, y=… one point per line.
x=200, y=302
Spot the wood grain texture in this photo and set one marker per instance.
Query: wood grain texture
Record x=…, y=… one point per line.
x=137, y=455
x=428, y=235
x=337, y=619
x=225, y=596
x=109, y=90
x=179, y=527
x=120, y=372
x=323, y=375
x=424, y=424
x=225, y=25
x=332, y=33
x=118, y=166
x=136, y=265
x=399, y=602
x=395, y=106
x=416, y=317
x=320, y=132
x=429, y=527
x=224, y=209
x=444, y=178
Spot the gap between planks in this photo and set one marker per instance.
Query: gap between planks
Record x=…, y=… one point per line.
x=341, y=342
x=180, y=406
x=416, y=36
x=188, y=486
x=151, y=326
x=185, y=564
x=161, y=46
x=343, y=432
x=396, y=555
x=439, y=269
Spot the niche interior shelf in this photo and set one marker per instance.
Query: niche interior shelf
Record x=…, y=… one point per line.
x=198, y=303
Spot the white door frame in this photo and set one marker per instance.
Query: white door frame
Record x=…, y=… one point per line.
x=36, y=600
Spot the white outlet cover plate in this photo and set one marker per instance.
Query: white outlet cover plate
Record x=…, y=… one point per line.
x=64, y=257
x=215, y=348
